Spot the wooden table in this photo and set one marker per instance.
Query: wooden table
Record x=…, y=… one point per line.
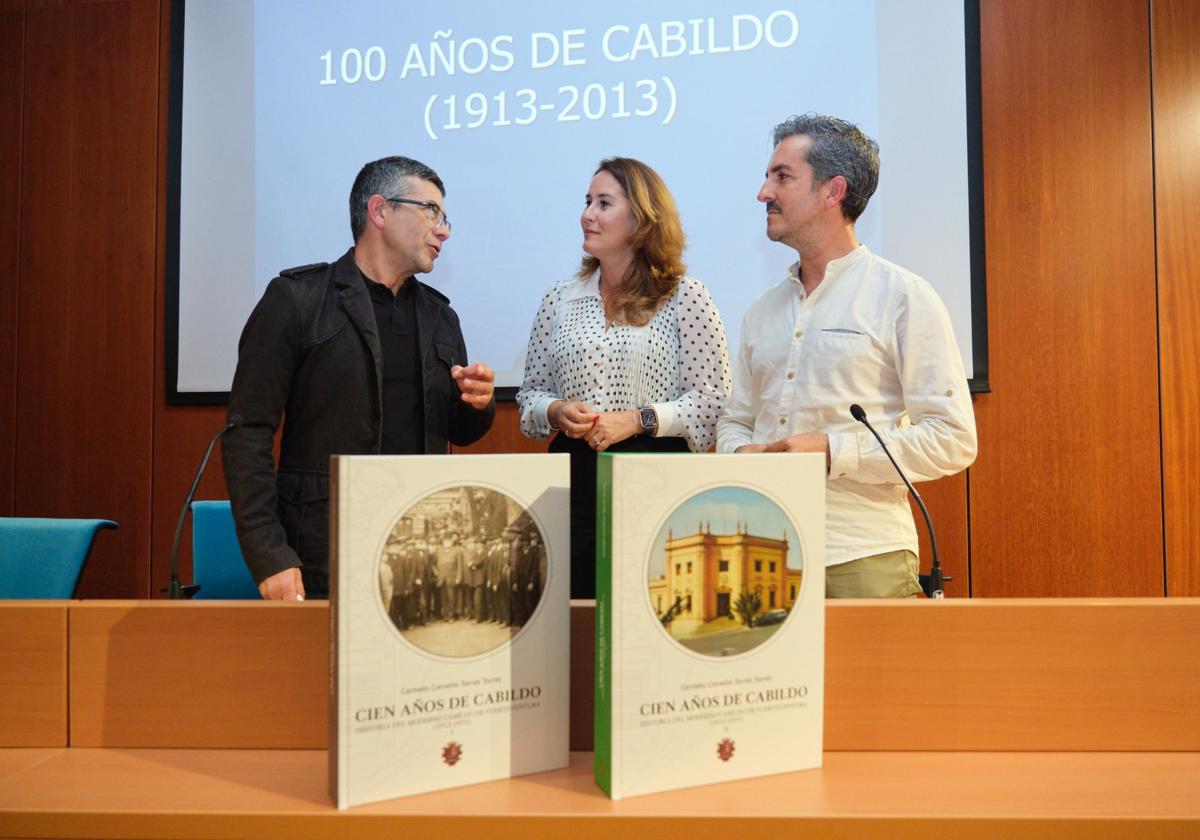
x=958, y=719
x=148, y=793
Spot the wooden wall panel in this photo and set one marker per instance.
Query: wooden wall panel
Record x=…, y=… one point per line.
x=1176, y=57
x=86, y=303
x=505, y=435
x=180, y=435
x=946, y=499
x=1065, y=496
x=33, y=674
x=180, y=432
x=12, y=37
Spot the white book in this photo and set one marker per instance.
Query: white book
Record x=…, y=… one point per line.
x=449, y=611
x=710, y=618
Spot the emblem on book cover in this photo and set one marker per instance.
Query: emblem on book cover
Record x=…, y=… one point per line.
x=725, y=572
x=725, y=749
x=462, y=571
x=451, y=753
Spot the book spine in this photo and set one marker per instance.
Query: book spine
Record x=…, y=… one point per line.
x=335, y=744
x=602, y=722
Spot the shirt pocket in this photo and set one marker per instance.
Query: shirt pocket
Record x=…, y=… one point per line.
x=438, y=380
x=446, y=354
x=841, y=361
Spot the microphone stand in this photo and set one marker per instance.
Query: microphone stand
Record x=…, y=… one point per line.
x=175, y=590
x=936, y=578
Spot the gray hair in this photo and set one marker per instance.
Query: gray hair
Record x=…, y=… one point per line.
x=387, y=177
x=838, y=148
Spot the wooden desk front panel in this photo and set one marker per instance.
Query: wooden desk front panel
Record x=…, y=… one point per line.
x=33, y=674
x=199, y=674
x=956, y=675
x=1044, y=674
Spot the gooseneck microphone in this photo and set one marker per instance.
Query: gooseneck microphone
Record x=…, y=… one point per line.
x=174, y=589
x=936, y=579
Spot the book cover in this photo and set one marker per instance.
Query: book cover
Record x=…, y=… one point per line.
x=710, y=618
x=449, y=611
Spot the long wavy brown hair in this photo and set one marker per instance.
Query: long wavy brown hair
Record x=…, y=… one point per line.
x=657, y=242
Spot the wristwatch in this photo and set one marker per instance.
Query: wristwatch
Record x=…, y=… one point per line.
x=649, y=419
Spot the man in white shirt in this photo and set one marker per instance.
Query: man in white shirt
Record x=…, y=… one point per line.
x=848, y=327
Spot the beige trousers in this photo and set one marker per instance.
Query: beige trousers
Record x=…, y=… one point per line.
x=890, y=575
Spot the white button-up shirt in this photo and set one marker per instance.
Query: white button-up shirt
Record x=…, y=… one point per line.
x=871, y=333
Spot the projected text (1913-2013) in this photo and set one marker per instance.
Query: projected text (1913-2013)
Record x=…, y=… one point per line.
x=644, y=99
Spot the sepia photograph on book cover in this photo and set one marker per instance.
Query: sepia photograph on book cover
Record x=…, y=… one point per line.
x=710, y=619
x=450, y=620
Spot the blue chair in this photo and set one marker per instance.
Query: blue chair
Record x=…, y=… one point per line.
x=217, y=562
x=43, y=558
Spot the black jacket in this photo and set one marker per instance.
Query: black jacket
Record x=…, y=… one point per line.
x=310, y=351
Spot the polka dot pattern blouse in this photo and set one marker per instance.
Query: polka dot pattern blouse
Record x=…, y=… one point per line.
x=678, y=362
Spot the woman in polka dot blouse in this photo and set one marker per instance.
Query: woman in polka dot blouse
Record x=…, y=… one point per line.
x=629, y=354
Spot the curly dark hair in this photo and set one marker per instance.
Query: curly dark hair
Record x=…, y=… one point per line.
x=838, y=148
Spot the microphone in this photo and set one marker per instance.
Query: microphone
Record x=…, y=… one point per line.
x=174, y=589
x=936, y=578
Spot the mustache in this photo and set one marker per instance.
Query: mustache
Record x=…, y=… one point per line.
x=771, y=205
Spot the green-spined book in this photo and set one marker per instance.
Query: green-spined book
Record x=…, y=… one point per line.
x=710, y=618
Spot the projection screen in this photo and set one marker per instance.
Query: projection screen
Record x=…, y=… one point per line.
x=277, y=104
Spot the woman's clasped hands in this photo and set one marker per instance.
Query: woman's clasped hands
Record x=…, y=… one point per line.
x=599, y=429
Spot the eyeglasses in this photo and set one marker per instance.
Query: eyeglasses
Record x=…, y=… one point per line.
x=436, y=215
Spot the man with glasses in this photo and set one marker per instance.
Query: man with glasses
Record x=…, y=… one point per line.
x=360, y=358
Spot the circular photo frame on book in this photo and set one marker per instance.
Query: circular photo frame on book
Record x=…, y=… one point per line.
x=462, y=571
x=724, y=571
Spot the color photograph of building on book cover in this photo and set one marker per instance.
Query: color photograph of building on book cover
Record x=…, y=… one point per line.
x=725, y=571
x=462, y=571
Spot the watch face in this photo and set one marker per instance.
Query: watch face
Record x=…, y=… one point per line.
x=649, y=419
